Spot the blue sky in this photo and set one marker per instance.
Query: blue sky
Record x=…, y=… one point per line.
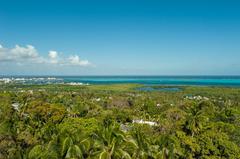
x=120, y=37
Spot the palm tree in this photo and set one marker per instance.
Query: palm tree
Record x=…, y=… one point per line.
x=110, y=143
x=195, y=120
x=163, y=147
x=67, y=148
x=70, y=149
x=140, y=146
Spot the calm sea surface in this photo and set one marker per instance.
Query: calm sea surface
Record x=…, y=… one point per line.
x=147, y=80
x=158, y=80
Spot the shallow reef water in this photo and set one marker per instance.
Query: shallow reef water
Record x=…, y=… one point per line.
x=162, y=89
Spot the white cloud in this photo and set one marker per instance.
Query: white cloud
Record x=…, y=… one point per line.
x=75, y=60
x=18, y=53
x=53, y=55
x=24, y=52
x=28, y=54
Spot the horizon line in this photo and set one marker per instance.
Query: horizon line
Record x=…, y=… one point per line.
x=120, y=75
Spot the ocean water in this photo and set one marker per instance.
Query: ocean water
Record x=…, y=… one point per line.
x=158, y=80
x=233, y=81
x=164, y=89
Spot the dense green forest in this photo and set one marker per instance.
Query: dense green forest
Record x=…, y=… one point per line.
x=118, y=121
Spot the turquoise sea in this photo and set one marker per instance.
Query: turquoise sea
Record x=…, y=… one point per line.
x=158, y=80
x=147, y=80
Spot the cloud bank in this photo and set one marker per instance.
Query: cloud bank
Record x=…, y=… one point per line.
x=29, y=54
